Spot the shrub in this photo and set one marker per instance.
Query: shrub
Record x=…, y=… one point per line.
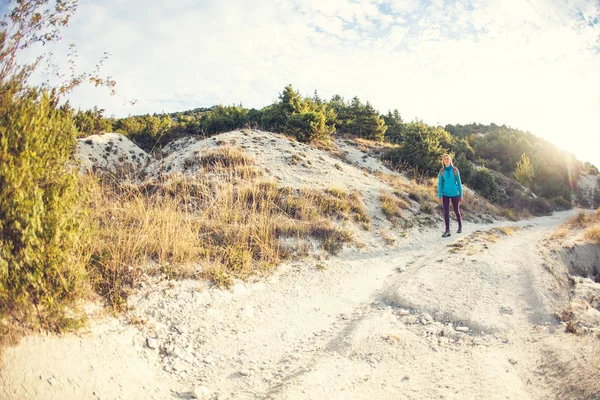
x=508, y=214
x=91, y=122
x=581, y=220
x=427, y=208
x=465, y=167
x=540, y=206
x=518, y=201
x=40, y=207
x=584, y=220
x=484, y=182
x=414, y=196
x=390, y=207
x=421, y=149
x=302, y=117
x=560, y=203
x=307, y=126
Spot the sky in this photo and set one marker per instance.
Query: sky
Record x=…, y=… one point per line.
x=533, y=65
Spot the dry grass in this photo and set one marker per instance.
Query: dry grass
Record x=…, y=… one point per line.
x=370, y=147
x=421, y=193
x=506, y=230
x=133, y=228
x=387, y=238
x=592, y=234
x=392, y=206
x=336, y=202
x=476, y=205
x=478, y=241
x=216, y=224
x=560, y=233
x=494, y=234
x=424, y=193
x=225, y=160
x=589, y=222
x=584, y=220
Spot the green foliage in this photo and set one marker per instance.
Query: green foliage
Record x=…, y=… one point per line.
x=130, y=125
x=92, y=122
x=395, y=125
x=307, y=126
x=462, y=131
x=369, y=124
x=496, y=147
x=421, y=150
x=223, y=119
x=589, y=168
x=484, y=183
x=145, y=130
x=462, y=146
x=501, y=148
x=465, y=167
x=253, y=118
x=551, y=178
x=272, y=118
x=358, y=119
x=307, y=119
x=40, y=207
x=147, y=125
x=524, y=171
x=540, y=206
x=560, y=203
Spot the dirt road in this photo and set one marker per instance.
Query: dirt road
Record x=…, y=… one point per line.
x=472, y=316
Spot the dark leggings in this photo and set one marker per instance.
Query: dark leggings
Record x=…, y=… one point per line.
x=455, y=205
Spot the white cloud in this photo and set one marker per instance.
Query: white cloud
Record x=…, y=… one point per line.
x=403, y=6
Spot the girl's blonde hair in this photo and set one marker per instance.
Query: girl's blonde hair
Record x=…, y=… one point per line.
x=449, y=156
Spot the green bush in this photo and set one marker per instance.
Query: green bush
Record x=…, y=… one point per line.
x=302, y=117
x=560, y=203
x=421, y=150
x=307, y=126
x=518, y=201
x=40, y=207
x=91, y=122
x=395, y=125
x=540, y=206
x=465, y=167
x=484, y=183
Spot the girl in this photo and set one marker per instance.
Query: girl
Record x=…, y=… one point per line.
x=450, y=188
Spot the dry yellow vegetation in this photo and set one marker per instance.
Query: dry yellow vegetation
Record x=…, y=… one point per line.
x=221, y=223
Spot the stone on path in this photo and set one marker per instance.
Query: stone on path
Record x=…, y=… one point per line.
x=152, y=343
x=200, y=392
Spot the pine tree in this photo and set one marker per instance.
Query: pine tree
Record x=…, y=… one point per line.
x=524, y=171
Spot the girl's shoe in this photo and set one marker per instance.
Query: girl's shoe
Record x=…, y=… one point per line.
x=459, y=229
x=446, y=234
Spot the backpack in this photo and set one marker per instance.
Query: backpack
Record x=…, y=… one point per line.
x=442, y=173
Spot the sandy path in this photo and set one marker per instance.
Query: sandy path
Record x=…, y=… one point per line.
x=414, y=322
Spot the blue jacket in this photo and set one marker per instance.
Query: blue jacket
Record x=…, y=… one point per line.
x=449, y=184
